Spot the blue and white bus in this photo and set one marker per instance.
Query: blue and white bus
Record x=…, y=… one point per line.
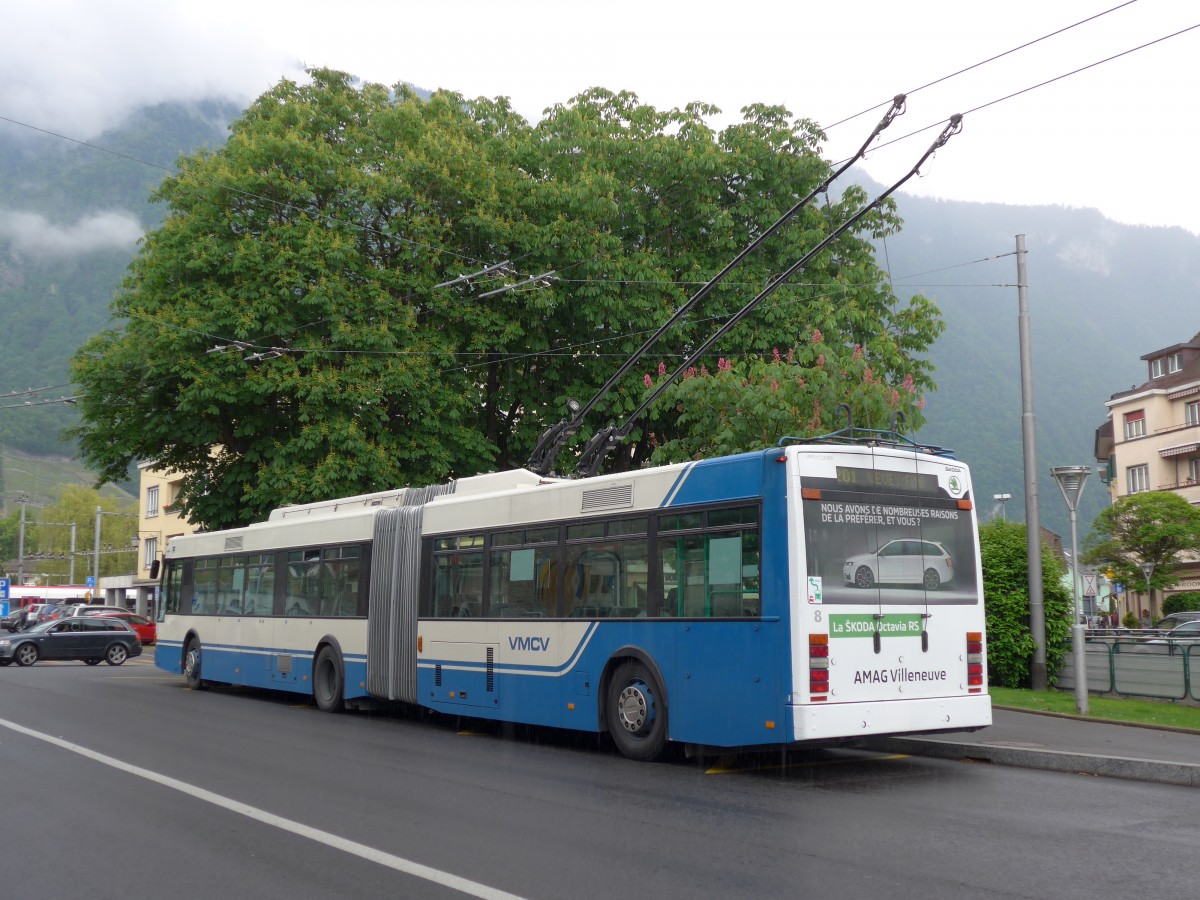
x=806, y=593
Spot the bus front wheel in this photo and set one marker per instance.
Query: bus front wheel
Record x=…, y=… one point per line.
x=328, y=682
x=637, y=712
x=191, y=665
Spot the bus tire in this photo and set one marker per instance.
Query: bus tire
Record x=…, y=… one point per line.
x=637, y=712
x=933, y=580
x=192, y=662
x=329, y=682
x=864, y=577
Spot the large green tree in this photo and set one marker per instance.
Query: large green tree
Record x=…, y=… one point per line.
x=287, y=334
x=1158, y=527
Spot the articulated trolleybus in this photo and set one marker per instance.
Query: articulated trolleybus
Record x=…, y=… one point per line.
x=808, y=593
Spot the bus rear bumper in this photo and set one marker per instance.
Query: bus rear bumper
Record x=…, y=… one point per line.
x=822, y=721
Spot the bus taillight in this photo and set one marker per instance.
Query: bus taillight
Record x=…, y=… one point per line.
x=818, y=666
x=975, y=661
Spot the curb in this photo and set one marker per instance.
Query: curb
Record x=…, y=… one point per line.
x=1184, y=774
x=1075, y=717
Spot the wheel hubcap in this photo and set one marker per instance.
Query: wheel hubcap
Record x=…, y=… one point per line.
x=634, y=708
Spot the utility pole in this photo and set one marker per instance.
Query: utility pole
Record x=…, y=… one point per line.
x=96, y=552
x=1033, y=522
x=24, y=501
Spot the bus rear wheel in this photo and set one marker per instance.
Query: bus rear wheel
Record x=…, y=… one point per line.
x=191, y=665
x=329, y=682
x=637, y=712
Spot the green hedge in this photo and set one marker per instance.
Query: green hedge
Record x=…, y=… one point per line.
x=1006, y=604
x=1185, y=602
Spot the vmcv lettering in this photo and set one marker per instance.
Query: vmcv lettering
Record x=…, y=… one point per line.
x=529, y=643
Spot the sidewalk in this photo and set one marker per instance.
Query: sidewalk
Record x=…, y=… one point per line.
x=1064, y=744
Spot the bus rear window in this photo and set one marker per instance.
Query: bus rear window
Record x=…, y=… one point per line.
x=885, y=546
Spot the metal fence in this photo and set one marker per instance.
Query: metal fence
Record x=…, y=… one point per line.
x=1137, y=665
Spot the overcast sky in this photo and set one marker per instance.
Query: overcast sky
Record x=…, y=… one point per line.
x=1120, y=137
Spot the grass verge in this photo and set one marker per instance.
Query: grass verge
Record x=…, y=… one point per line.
x=1154, y=713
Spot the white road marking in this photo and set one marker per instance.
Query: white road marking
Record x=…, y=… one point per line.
x=407, y=866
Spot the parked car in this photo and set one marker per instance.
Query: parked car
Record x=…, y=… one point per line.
x=42, y=612
x=145, y=629
x=15, y=620
x=89, y=609
x=87, y=638
x=902, y=561
x=1180, y=637
x=1166, y=623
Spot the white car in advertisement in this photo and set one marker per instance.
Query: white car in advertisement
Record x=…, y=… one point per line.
x=903, y=561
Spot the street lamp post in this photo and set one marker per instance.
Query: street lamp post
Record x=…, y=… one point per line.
x=1148, y=572
x=1002, y=499
x=1070, y=481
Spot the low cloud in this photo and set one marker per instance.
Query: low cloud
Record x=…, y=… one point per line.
x=76, y=67
x=31, y=234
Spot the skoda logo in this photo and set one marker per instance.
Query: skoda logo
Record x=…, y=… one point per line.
x=955, y=485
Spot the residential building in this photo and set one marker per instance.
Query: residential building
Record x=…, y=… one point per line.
x=1151, y=442
x=158, y=521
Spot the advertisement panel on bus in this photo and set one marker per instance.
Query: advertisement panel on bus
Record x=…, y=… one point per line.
x=891, y=606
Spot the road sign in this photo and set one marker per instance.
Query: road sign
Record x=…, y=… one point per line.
x=91, y=581
x=4, y=585
x=1089, y=585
